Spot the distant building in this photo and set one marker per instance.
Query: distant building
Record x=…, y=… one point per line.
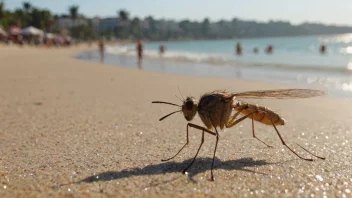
x=164, y=25
x=122, y=23
x=108, y=24
x=96, y=21
x=67, y=22
x=112, y=24
x=145, y=24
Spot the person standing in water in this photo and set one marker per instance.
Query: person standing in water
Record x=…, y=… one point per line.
x=269, y=49
x=161, y=50
x=101, y=50
x=322, y=49
x=239, y=49
x=139, y=52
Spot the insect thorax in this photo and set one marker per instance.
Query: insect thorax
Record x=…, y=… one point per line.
x=214, y=109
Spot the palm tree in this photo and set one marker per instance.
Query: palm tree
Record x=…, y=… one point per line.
x=135, y=28
x=2, y=5
x=19, y=16
x=46, y=18
x=4, y=18
x=73, y=12
x=27, y=6
x=123, y=14
x=122, y=22
x=205, y=27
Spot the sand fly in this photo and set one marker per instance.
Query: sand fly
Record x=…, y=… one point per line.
x=219, y=109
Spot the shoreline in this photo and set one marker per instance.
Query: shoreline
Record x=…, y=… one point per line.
x=237, y=38
x=283, y=66
x=220, y=60
x=273, y=73
x=78, y=128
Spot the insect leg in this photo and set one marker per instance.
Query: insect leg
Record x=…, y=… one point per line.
x=234, y=116
x=164, y=160
x=284, y=143
x=256, y=136
x=212, y=163
x=231, y=124
x=194, y=126
x=323, y=158
x=201, y=143
x=201, y=128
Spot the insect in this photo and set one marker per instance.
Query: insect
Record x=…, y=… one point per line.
x=216, y=111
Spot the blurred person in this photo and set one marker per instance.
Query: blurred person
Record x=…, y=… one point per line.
x=269, y=49
x=239, y=50
x=101, y=50
x=139, y=51
x=323, y=49
x=162, y=50
x=255, y=50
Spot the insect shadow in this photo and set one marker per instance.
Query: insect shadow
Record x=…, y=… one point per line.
x=201, y=165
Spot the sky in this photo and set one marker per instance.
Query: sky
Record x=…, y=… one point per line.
x=296, y=11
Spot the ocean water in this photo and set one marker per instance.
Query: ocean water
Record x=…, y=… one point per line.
x=294, y=59
x=288, y=51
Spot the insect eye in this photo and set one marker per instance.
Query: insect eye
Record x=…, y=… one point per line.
x=189, y=104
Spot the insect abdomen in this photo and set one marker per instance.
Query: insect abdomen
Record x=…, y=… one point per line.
x=260, y=113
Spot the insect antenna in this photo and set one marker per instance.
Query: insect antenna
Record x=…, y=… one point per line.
x=179, y=98
x=180, y=93
x=161, y=102
x=169, y=115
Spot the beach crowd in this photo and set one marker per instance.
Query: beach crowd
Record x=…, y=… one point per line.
x=33, y=36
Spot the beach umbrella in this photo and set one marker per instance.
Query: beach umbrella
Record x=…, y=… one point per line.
x=2, y=32
x=15, y=30
x=30, y=30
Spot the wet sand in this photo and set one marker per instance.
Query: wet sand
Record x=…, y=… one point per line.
x=81, y=129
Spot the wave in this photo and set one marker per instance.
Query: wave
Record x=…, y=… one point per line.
x=172, y=55
x=219, y=59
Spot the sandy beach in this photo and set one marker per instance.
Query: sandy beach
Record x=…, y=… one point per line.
x=71, y=128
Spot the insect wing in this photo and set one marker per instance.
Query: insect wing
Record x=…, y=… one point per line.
x=280, y=94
